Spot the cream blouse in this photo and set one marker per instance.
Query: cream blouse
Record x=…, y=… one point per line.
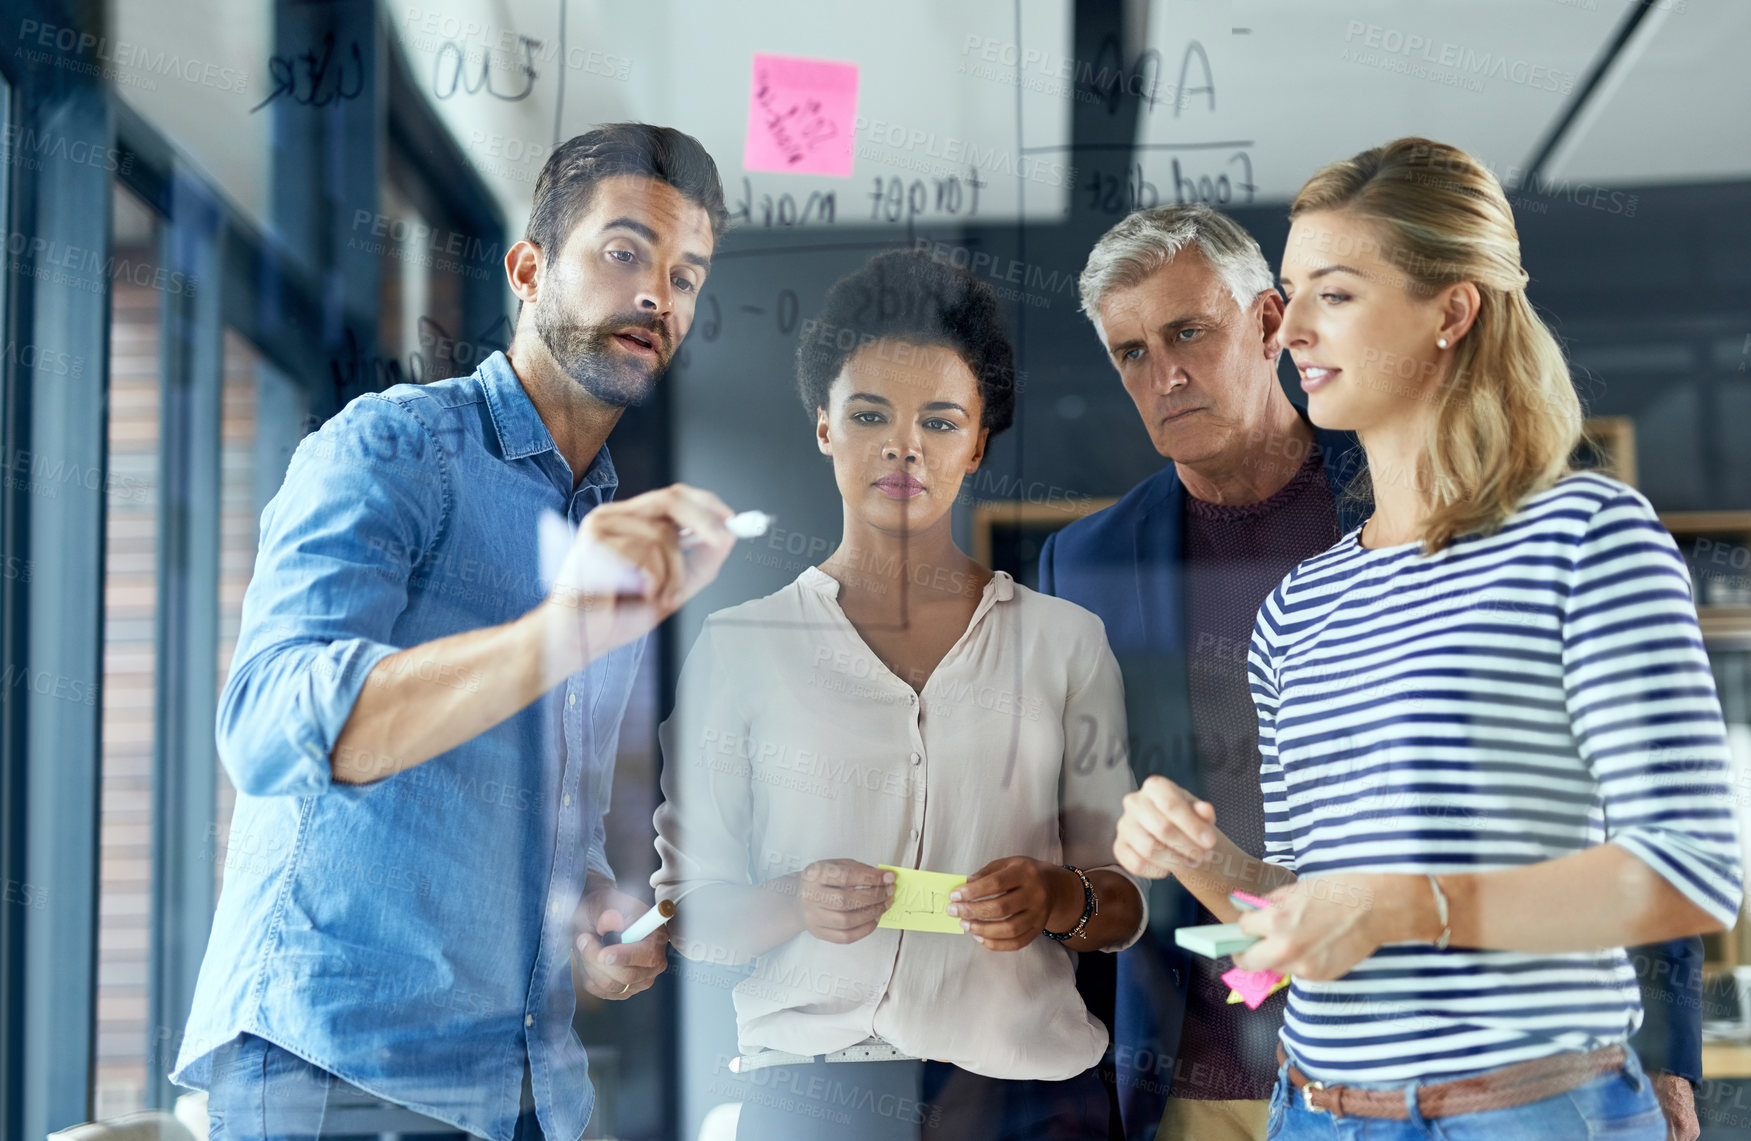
x=791, y=742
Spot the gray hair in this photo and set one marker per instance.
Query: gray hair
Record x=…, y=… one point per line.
x=1145, y=241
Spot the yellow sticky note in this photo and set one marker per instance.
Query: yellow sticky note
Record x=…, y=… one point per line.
x=921, y=901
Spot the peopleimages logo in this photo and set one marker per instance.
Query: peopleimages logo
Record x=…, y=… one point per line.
x=1489, y=65
x=44, y=362
x=955, y=153
x=28, y=148
x=452, y=242
x=80, y=267
x=1038, y=283
x=121, y=54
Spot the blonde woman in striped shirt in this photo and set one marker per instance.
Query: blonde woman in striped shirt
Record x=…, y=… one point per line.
x=1492, y=753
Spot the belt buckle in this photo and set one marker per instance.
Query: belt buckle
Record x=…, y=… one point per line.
x=1307, y=1096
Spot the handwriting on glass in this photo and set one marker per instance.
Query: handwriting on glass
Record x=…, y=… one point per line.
x=453, y=55
x=819, y=206
x=797, y=128
x=320, y=85
x=356, y=371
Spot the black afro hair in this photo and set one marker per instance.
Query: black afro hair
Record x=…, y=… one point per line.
x=909, y=296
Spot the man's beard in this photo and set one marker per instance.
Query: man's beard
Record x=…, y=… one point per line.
x=587, y=354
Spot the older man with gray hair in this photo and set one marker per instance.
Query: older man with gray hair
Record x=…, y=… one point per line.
x=1184, y=305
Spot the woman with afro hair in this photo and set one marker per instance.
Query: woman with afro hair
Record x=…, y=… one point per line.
x=900, y=706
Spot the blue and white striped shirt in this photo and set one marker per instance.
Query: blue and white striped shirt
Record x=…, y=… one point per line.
x=1511, y=699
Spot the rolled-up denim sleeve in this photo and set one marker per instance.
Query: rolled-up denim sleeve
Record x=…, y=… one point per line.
x=364, y=500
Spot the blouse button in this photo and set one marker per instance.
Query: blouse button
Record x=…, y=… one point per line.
x=917, y=758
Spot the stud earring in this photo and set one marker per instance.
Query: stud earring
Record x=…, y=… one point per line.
x=1442, y=343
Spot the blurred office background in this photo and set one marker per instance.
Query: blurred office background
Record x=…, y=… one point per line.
x=226, y=218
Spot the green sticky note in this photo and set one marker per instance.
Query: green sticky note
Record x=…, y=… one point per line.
x=921, y=901
x=1214, y=940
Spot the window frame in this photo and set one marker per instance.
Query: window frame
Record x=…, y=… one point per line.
x=53, y=623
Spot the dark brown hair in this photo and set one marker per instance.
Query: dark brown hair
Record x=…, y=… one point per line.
x=568, y=180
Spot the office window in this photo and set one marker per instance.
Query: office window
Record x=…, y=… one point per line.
x=421, y=327
x=239, y=521
x=129, y=694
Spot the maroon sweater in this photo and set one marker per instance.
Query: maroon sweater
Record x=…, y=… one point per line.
x=1234, y=558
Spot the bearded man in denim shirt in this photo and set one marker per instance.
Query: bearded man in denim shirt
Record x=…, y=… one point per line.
x=421, y=719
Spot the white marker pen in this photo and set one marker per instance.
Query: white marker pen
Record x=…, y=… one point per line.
x=643, y=926
x=748, y=524
x=743, y=525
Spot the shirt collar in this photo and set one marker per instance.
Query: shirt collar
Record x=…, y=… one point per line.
x=1001, y=588
x=520, y=430
x=600, y=474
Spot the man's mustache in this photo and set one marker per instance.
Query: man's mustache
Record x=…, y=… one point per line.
x=654, y=325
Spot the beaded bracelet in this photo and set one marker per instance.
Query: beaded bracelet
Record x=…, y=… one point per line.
x=1090, y=908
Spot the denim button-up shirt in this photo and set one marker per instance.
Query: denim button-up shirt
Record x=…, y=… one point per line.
x=411, y=935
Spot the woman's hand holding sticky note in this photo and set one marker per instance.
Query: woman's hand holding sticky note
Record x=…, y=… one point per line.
x=921, y=901
x=1251, y=987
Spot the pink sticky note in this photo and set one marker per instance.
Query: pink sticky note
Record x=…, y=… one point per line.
x=1254, y=986
x=801, y=115
x=1257, y=901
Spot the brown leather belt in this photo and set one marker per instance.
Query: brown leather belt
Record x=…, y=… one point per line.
x=1510, y=1086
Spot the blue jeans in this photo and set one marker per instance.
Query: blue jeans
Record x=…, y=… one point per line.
x=261, y=1092
x=1618, y=1106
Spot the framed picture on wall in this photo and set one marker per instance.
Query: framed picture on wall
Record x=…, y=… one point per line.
x=1608, y=446
x=1717, y=548
x=1007, y=536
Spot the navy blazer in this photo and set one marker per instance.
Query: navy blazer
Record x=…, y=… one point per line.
x=1125, y=563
